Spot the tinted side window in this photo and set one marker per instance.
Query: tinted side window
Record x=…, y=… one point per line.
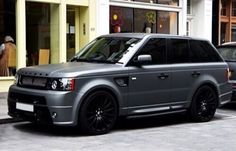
x=202, y=51
x=178, y=51
x=156, y=47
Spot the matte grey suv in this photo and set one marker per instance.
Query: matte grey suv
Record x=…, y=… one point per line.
x=131, y=75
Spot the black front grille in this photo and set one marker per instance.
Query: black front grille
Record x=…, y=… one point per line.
x=32, y=82
x=26, y=98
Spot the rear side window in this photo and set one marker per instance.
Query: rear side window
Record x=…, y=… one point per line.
x=156, y=47
x=202, y=51
x=178, y=51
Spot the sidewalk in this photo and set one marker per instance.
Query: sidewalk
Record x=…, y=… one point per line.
x=4, y=117
x=3, y=105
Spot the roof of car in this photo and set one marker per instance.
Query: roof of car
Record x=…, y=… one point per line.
x=142, y=35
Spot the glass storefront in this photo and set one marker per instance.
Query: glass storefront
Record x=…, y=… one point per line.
x=223, y=7
x=42, y=29
x=233, y=32
x=7, y=28
x=164, y=2
x=142, y=20
x=223, y=33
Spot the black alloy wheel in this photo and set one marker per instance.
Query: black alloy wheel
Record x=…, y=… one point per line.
x=204, y=104
x=98, y=113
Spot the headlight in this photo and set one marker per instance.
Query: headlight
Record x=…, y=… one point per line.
x=16, y=80
x=62, y=84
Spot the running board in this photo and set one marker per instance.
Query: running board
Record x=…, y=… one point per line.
x=155, y=114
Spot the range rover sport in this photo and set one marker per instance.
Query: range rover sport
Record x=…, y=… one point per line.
x=124, y=74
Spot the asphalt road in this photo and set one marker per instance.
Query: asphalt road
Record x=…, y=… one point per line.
x=163, y=133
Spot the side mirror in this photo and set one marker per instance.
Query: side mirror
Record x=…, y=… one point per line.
x=144, y=59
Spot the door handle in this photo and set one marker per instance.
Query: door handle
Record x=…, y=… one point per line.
x=196, y=73
x=163, y=76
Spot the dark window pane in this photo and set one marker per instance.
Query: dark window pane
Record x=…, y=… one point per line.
x=167, y=22
x=202, y=51
x=178, y=52
x=223, y=7
x=233, y=32
x=121, y=19
x=233, y=7
x=157, y=49
x=164, y=2
x=144, y=20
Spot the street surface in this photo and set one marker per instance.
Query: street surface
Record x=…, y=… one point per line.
x=164, y=133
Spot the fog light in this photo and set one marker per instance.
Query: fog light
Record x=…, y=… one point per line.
x=54, y=115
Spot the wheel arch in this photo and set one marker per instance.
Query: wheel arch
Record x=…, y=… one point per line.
x=88, y=89
x=210, y=83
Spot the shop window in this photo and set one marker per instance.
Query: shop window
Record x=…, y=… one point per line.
x=223, y=33
x=164, y=2
x=233, y=7
x=7, y=45
x=167, y=22
x=144, y=21
x=121, y=19
x=223, y=7
x=233, y=32
x=42, y=32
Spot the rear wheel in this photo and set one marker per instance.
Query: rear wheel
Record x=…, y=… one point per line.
x=204, y=104
x=98, y=114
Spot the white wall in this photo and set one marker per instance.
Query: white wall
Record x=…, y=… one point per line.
x=102, y=17
x=201, y=24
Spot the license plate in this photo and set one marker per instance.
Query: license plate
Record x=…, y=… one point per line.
x=25, y=107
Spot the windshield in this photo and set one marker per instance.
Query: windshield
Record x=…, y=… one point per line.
x=105, y=50
x=228, y=53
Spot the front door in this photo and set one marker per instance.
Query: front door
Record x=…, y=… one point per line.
x=149, y=83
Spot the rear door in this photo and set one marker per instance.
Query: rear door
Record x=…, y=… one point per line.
x=181, y=71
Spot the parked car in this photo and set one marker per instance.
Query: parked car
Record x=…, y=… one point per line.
x=228, y=52
x=124, y=74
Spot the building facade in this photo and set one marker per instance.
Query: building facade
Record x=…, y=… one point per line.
x=52, y=31
x=46, y=31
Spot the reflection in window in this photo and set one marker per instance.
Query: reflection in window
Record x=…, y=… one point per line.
x=41, y=33
x=121, y=19
x=167, y=22
x=144, y=21
x=164, y=2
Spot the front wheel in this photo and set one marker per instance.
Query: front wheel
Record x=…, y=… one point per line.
x=98, y=113
x=204, y=104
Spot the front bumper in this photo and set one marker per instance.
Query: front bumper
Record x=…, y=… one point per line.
x=49, y=107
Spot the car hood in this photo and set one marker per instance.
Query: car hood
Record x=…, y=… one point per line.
x=70, y=69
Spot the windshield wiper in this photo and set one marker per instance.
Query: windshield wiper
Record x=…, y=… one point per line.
x=101, y=61
x=79, y=60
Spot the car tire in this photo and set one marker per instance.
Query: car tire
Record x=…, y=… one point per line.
x=204, y=104
x=98, y=113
